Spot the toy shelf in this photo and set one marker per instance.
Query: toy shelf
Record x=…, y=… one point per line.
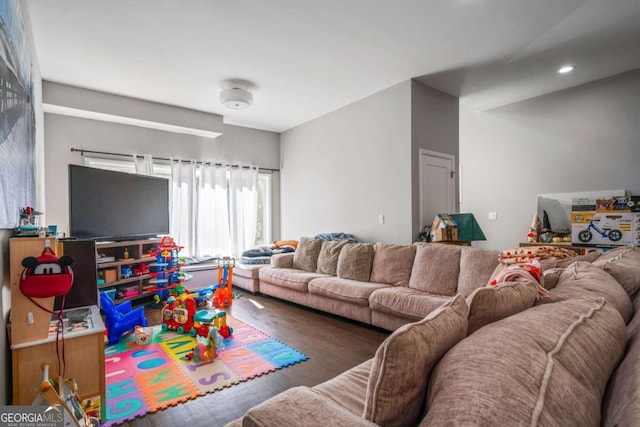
x=128, y=254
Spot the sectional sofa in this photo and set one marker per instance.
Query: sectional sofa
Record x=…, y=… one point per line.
x=486, y=355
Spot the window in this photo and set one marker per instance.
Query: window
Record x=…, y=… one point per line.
x=163, y=170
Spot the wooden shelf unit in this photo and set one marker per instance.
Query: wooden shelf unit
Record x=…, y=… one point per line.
x=138, y=251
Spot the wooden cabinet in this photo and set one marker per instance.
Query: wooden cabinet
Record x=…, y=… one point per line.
x=33, y=343
x=121, y=265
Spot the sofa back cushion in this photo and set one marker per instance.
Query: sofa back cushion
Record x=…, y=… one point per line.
x=401, y=366
x=624, y=265
x=476, y=268
x=328, y=257
x=492, y=303
x=354, y=261
x=436, y=268
x=306, y=255
x=392, y=263
x=551, y=362
x=584, y=278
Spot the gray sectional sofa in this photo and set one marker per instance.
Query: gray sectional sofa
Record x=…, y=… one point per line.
x=383, y=285
x=497, y=356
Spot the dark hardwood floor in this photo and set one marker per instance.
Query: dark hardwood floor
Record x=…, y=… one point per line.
x=333, y=345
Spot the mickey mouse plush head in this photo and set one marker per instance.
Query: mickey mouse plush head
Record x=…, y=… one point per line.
x=47, y=275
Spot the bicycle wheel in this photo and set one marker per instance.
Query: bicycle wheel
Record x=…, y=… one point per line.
x=615, y=235
x=585, y=236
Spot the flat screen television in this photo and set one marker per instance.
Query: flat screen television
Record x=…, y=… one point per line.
x=109, y=205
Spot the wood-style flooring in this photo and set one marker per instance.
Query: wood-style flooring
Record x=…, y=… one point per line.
x=333, y=345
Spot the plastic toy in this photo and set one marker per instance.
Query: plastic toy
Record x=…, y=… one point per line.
x=177, y=314
x=207, y=350
x=205, y=320
x=166, y=269
x=222, y=297
x=126, y=272
x=121, y=318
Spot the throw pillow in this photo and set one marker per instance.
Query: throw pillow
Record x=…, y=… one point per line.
x=328, y=258
x=392, y=264
x=436, y=268
x=398, y=379
x=354, y=261
x=476, y=268
x=492, y=303
x=306, y=255
x=624, y=265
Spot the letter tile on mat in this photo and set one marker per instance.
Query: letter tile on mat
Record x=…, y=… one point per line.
x=148, y=378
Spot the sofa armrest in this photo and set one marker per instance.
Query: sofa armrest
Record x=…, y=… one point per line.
x=301, y=406
x=282, y=260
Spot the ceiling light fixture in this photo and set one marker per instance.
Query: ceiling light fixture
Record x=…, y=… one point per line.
x=566, y=69
x=236, y=94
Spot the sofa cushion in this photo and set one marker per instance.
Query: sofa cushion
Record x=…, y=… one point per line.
x=548, y=365
x=550, y=277
x=297, y=280
x=405, y=302
x=436, y=268
x=476, y=268
x=300, y=406
x=402, y=363
x=624, y=265
x=583, y=278
x=306, y=255
x=349, y=388
x=346, y=290
x=248, y=271
x=553, y=262
x=492, y=303
x=328, y=257
x=355, y=260
x=392, y=263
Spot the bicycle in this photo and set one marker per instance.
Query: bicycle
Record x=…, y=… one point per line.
x=612, y=234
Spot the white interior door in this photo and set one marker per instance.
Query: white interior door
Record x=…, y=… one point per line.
x=437, y=185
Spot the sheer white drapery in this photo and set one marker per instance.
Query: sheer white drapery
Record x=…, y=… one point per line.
x=212, y=218
x=183, y=206
x=144, y=165
x=243, y=208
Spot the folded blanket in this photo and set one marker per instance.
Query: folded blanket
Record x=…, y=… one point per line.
x=337, y=236
x=527, y=272
x=255, y=260
x=257, y=252
x=512, y=256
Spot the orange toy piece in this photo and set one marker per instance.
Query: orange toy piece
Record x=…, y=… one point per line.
x=223, y=297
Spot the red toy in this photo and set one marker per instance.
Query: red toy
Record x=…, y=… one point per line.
x=177, y=314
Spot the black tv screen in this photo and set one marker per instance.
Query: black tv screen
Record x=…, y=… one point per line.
x=108, y=205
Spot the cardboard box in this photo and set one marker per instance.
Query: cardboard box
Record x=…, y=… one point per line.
x=110, y=275
x=604, y=228
x=444, y=229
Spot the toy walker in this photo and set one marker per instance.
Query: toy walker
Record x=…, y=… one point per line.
x=222, y=297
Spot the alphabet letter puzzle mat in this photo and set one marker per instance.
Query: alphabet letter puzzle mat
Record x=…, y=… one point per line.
x=147, y=378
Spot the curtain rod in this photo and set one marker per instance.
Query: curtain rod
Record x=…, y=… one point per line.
x=198, y=162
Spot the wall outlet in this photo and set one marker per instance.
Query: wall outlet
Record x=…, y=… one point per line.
x=492, y=216
x=380, y=218
x=30, y=318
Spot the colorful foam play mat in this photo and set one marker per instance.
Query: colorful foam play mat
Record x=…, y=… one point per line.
x=144, y=378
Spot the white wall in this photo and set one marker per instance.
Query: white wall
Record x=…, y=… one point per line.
x=238, y=145
x=434, y=127
x=341, y=170
x=581, y=139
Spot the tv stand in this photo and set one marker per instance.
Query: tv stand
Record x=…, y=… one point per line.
x=124, y=269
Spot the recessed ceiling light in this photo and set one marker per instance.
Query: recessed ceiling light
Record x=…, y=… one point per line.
x=566, y=69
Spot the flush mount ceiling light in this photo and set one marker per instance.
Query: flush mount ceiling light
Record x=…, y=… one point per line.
x=236, y=94
x=566, y=69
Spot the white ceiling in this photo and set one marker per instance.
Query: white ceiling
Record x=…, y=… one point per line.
x=307, y=58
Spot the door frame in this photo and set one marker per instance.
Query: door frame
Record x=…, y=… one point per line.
x=451, y=188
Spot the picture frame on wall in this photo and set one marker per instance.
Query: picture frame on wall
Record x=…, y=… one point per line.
x=17, y=120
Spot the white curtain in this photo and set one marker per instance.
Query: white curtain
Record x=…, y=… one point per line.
x=243, y=208
x=144, y=165
x=183, y=206
x=212, y=218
